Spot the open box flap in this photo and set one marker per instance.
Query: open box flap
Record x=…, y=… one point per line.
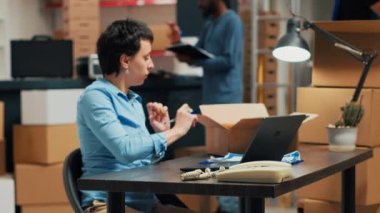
x=230, y=114
x=248, y=123
x=206, y=121
x=309, y=116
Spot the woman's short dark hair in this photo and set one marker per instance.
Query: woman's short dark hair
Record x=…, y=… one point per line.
x=121, y=37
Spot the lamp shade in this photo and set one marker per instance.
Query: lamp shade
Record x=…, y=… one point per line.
x=292, y=47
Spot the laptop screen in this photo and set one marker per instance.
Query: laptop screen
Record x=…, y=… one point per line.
x=273, y=138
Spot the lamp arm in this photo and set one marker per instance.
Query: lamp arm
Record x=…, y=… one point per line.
x=341, y=44
x=363, y=76
x=365, y=57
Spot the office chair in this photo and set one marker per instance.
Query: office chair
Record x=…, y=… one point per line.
x=72, y=170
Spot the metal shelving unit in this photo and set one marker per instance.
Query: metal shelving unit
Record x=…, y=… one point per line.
x=119, y=3
x=283, y=84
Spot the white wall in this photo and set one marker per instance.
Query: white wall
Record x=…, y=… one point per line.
x=28, y=18
x=23, y=19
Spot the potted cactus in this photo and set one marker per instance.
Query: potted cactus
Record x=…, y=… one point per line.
x=342, y=136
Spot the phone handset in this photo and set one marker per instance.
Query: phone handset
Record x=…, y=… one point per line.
x=263, y=163
x=257, y=171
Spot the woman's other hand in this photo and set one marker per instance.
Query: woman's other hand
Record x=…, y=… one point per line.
x=158, y=116
x=184, y=119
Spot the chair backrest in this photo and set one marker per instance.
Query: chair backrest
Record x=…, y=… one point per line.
x=72, y=170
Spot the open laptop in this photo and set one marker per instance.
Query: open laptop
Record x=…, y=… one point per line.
x=271, y=142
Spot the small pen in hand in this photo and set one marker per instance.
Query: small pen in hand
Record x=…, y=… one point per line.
x=194, y=111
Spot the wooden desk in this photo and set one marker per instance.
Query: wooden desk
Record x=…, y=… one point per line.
x=164, y=178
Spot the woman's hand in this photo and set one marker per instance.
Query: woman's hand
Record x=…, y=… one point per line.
x=184, y=119
x=158, y=116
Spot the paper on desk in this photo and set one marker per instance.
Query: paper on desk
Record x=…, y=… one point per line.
x=228, y=158
x=292, y=158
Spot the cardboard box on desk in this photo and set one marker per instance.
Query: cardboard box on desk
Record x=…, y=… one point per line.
x=318, y=206
x=230, y=127
x=49, y=208
x=38, y=184
x=45, y=144
x=54, y=106
x=333, y=67
x=367, y=184
x=326, y=102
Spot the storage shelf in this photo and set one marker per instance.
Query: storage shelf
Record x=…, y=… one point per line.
x=132, y=3
x=120, y=3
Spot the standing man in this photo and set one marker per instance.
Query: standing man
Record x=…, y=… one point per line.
x=222, y=35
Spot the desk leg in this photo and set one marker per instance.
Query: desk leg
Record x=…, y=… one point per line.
x=252, y=205
x=348, y=190
x=115, y=202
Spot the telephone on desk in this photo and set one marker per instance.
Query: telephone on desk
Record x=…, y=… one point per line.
x=254, y=171
x=257, y=172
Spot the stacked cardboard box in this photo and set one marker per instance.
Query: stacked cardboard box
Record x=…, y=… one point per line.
x=335, y=75
x=41, y=143
x=267, y=66
x=163, y=61
x=82, y=25
x=268, y=31
x=317, y=206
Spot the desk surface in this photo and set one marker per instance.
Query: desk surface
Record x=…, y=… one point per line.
x=165, y=177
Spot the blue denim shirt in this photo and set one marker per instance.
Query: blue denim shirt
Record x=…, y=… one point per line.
x=113, y=137
x=222, y=76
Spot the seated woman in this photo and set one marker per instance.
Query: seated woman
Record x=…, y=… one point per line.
x=111, y=121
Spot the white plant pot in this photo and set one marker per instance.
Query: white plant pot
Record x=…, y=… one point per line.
x=342, y=139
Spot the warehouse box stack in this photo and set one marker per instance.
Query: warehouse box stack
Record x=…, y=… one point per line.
x=7, y=184
x=46, y=135
x=82, y=25
x=335, y=75
x=267, y=66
